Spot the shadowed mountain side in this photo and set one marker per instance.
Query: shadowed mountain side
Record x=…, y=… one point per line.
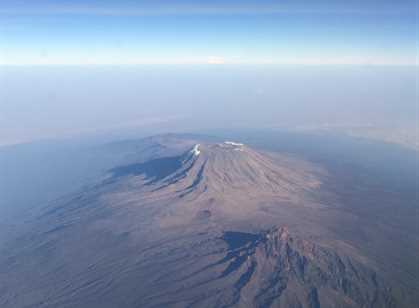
x=154, y=170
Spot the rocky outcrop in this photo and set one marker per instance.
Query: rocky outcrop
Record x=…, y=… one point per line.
x=276, y=269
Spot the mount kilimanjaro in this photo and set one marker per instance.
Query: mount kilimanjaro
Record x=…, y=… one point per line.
x=196, y=224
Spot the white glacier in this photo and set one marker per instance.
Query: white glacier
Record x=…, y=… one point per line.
x=196, y=150
x=234, y=143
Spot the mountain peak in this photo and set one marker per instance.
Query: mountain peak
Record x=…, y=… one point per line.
x=209, y=180
x=221, y=168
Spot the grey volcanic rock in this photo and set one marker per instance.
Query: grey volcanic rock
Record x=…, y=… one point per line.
x=208, y=225
x=276, y=269
x=283, y=270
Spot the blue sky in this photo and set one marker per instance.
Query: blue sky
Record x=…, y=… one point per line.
x=81, y=67
x=214, y=32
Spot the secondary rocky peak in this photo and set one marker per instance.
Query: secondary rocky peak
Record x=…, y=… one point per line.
x=276, y=268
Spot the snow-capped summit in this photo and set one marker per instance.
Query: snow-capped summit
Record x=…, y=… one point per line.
x=234, y=143
x=196, y=150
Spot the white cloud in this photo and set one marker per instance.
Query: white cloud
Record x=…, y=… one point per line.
x=330, y=60
x=28, y=57
x=216, y=60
